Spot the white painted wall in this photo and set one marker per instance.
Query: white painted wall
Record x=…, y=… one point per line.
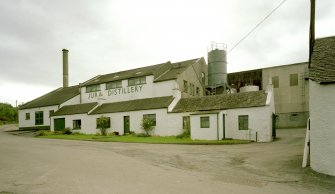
x=260, y=121
x=322, y=129
x=69, y=122
x=199, y=133
x=148, y=90
x=31, y=122
x=72, y=101
x=167, y=124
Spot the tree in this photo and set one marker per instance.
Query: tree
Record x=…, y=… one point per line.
x=147, y=125
x=7, y=112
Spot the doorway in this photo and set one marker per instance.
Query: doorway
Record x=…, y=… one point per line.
x=223, y=126
x=59, y=124
x=126, y=124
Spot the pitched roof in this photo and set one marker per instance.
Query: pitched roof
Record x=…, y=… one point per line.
x=133, y=105
x=175, y=69
x=161, y=72
x=322, y=69
x=75, y=109
x=220, y=102
x=55, y=97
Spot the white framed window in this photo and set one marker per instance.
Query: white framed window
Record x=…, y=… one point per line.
x=204, y=122
x=114, y=84
x=93, y=88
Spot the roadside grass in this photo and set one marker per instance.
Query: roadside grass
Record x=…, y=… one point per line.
x=150, y=140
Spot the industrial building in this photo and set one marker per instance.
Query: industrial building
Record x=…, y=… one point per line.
x=291, y=90
x=171, y=94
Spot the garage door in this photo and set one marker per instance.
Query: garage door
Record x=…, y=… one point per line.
x=59, y=124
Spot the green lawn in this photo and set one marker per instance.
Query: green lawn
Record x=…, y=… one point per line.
x=152, y=140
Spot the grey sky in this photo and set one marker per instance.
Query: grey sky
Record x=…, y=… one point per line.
x=108, y=36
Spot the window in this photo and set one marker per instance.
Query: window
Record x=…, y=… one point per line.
x=198, y=91
x=294, y=79
x=185, y=86
x=76, y=124
x=203, y=78
x=108, y=122
x=204, y=122
x=51, y=113
x=243, y=122
x=294, y=117
x=150, y=116
x=93, y=88
x=137, y=81
x=39, y=118
x=27, y=116
x=275, y=81
x=113, y=85
x=192, y=89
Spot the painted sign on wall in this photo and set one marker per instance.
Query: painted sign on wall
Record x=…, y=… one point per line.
x=117, y=91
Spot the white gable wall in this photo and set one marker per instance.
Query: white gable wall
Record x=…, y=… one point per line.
x=31, y=122
x=72, y=101
x=322, y=128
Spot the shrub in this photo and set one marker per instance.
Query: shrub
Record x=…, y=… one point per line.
x=41, y=133
x=103, y=124
x=67, y=131
x=186, y=134
x=147, y=125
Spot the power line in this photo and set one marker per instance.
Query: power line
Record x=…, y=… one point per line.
x=266, y=17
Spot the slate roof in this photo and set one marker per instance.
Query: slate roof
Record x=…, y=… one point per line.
x=220, y=102
x=322, y=69
x=55, y=97
x=175, y=69
x=75, y=109
x=133, y=105
x=161, y=72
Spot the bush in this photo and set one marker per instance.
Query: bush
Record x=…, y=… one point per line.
x=67, y=131
x=41, y=133
x=103, y=124
x=186, y=134
x=147, y=125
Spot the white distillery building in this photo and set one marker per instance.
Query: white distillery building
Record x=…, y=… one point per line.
x=172, y=94
x=322, y=106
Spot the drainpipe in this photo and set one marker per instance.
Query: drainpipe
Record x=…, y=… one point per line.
x=217, y=126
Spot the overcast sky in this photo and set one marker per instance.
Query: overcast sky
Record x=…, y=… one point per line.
x=107, y=36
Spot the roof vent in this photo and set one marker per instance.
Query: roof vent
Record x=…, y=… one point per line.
x=137, y=73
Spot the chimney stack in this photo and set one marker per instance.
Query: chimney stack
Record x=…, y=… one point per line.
x=65, y=68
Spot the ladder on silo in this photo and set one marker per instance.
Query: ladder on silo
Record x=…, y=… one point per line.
x=213, y=90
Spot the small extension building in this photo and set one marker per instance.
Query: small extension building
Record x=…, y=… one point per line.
x=322, y=106
x=171, y=94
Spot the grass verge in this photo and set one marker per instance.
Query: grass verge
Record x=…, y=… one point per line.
x=151, y=140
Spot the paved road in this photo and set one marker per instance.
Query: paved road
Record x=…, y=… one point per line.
x=32, y=165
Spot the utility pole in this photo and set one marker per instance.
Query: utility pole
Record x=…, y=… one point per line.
x=311, y=32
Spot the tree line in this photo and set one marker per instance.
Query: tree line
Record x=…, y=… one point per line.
x=8, y=113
